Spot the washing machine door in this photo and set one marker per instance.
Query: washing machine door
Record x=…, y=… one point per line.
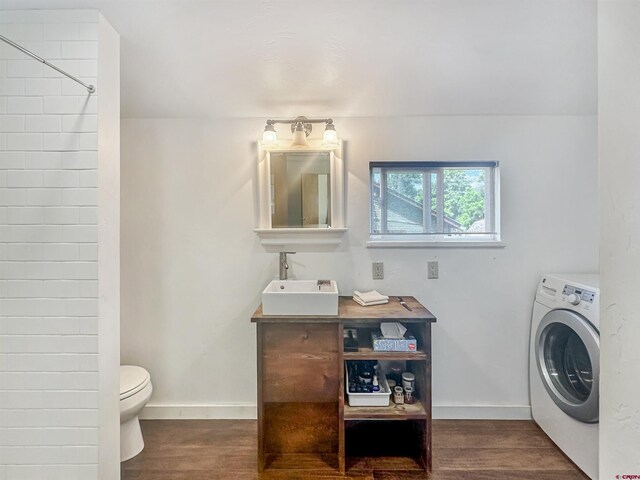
x=568, y=358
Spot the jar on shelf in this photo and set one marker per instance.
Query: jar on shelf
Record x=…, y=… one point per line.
x=408, y=380
x=408, y=396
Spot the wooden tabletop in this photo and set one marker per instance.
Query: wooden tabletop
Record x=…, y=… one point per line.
x=349, y=310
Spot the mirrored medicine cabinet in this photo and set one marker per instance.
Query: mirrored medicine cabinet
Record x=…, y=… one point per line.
x=301, y=194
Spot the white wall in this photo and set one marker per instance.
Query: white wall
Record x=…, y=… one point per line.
x=455, y=79
x=193, y=269
x=497, y=79
x=619, y=146
x=49, y=271
x=109, y=250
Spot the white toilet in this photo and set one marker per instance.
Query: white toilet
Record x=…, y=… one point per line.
x=135, y=391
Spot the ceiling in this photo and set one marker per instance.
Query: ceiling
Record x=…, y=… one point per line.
x=252, y=58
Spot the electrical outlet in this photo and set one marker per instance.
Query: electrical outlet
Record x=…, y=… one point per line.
x=432, y=270
x=377, y=270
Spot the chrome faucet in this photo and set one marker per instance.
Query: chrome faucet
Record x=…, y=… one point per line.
x=284, y=266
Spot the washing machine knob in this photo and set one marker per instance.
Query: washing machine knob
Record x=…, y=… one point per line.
x=574, y=299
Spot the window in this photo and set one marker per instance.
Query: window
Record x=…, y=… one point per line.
x=434, y=201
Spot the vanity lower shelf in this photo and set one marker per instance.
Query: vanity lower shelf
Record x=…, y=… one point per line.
x=414, y=411
x=367, y=353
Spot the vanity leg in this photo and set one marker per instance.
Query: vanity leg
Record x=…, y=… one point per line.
x=341, y=426
x=428, y=401
x=260, y=331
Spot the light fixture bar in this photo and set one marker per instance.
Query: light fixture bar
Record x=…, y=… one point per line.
x=301, y=128
x=90, y=88
x=301, y=123
x=300, y=119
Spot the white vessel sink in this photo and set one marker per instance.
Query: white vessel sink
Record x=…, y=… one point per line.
x=300, y=297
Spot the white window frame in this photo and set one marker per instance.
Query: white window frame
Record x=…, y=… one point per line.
x=492, y=207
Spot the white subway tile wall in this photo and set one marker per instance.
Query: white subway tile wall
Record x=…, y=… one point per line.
x=48, y=248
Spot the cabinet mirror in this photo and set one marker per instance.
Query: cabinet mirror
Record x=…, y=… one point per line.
x=301, y=194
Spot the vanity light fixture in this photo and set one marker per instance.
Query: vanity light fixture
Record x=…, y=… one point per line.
x=301, y=128
x=330, y=136
x=299, y=135
x=269, y=136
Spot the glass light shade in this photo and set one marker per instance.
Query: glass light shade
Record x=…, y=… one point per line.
x=269, y=137
x=299, y=138
x=330, y=137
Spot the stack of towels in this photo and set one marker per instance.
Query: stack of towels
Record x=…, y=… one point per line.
x=367, y=299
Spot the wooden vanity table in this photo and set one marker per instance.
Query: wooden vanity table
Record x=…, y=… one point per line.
x=303, y=412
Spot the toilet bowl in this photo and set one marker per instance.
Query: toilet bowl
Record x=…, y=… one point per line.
x=135, y=391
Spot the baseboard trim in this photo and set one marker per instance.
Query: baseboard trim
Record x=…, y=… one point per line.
x=248, y=412
x=482, y=412
x=198, y=412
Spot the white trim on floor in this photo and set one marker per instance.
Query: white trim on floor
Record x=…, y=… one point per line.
x=482, y=412
x=248, y=412
x=236, y=411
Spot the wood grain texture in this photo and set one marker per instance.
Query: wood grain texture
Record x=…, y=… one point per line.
x=498, y=459
x=301, y=366
x=299, y=363
x=300, y=377
x=299, y=383
x=309, y=338
x=366, y=353
x=301, y=428
x=260, y=397
x=463, y=450
x=422, y=372
x=302, y=461
x=341, y=401
x=351, y=313
x=392, y=412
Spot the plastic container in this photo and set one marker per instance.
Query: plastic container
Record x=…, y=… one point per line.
x=373, y=399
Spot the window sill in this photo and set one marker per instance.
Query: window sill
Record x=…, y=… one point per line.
x=436, y=243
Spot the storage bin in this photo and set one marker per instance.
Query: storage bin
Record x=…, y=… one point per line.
x=373, y=399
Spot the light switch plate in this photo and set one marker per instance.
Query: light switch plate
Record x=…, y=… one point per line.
x=377, y=270
x=432, y=270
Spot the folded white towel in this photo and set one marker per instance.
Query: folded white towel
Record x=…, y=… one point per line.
x=372, y=296
x=368, y=304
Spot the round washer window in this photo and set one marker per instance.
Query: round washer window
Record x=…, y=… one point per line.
x=568, y=363
x=568, y=358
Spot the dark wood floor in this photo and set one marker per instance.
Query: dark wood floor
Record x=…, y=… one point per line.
x=463, y=449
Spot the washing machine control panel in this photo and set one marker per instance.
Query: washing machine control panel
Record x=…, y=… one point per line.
x=578, y=294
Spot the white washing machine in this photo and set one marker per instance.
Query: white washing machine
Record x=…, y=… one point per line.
x=564, y=365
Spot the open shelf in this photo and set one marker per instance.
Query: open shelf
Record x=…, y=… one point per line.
x=414, y=411
x=365, y=345
x=367, y=353
x=385, y=445
x=326, y=463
